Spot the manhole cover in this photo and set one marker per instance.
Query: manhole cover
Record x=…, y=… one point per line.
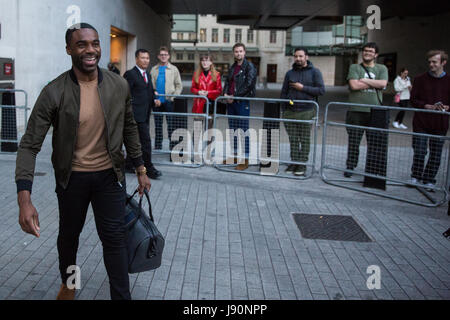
x=338, y=228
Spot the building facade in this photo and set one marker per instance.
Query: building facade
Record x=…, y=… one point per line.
x=32, y=34
x=332, y=48
x=264, y=48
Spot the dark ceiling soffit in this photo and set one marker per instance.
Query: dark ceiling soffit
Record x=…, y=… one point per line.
x=265, y=8
x=277, y=23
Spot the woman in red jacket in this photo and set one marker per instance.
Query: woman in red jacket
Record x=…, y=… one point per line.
x=206, y=82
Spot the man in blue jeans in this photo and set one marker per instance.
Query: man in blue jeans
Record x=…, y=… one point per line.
x=241, y=82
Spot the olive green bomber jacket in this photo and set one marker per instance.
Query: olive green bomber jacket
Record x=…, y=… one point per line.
x=59, y=106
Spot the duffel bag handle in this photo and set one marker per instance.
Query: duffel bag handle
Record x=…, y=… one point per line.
x=149, y=204
x=140, y=204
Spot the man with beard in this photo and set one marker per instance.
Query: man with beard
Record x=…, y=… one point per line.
x=90, y=111
x=365, y=80
x=303, y=82
x=241, y=82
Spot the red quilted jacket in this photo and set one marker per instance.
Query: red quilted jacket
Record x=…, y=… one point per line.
x=214, y=89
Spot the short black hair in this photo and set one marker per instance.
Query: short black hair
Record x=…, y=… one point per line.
x=302, y=49
x=372, y=45
x=76, y=27
x=139, y=51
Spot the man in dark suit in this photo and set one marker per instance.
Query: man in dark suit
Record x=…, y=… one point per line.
x=143, y=99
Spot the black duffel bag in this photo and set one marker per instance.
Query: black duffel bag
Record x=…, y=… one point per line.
x=145, y=243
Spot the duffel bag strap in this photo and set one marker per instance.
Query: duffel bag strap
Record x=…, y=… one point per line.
x=149, y=205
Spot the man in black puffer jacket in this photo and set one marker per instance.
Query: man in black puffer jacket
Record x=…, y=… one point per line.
x=303, y=82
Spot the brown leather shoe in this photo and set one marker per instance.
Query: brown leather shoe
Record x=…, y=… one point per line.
x=242, y=166
x=65, y=293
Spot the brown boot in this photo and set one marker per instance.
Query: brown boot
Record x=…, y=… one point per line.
x=242, y=166
x=65, y=293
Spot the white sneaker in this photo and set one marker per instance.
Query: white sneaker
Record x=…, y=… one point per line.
x=430, y=187
x=396, y=125
x=402, y=126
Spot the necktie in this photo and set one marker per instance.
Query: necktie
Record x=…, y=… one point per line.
x=144, y=74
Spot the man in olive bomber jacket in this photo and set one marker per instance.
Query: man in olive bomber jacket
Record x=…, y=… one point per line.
x=90, y=111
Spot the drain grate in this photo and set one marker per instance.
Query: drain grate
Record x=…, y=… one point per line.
x=338, y=228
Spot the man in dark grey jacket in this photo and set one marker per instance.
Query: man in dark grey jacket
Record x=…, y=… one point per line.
x=90, y=111
x=303, y=82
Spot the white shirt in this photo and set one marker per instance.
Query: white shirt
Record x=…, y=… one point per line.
x=401, y=86
x=142, y=73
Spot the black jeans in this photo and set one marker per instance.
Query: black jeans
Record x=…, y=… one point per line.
x=146, y=146
x=401, y=114
x=355, y=135
x=434, y=159
x=107, y=197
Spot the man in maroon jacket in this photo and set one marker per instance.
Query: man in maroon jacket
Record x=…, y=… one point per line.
x=431, y=91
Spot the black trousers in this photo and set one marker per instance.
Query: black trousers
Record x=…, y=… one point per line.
x=401, y=114
x=146, y=146
x=355, y=135
x=107, y=197
x=420, y=145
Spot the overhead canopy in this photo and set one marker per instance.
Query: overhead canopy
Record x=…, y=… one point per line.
x=285, y=14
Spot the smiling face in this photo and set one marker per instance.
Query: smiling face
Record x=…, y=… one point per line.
x=436, y=64
x=85, y=50
x=369, y=55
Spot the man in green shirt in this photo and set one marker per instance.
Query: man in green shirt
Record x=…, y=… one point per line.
x=366, y=82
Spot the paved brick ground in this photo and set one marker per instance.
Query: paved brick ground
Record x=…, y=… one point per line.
x=232, y=236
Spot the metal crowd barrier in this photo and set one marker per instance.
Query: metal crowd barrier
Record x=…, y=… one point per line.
x=269, y=143
x=178, y=135
x=14, y=119
x=385, y=158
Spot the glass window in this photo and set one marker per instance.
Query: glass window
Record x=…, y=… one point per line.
x=202, y=35
x=273, y=36
x=180, y=36
x=180, y=56
x=191, y=56
x=238, y=35
x=226, y=35
x=250, y=35
x=215, y=35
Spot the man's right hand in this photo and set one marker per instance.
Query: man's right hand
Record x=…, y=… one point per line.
x=28, y=215
x=157, y=103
